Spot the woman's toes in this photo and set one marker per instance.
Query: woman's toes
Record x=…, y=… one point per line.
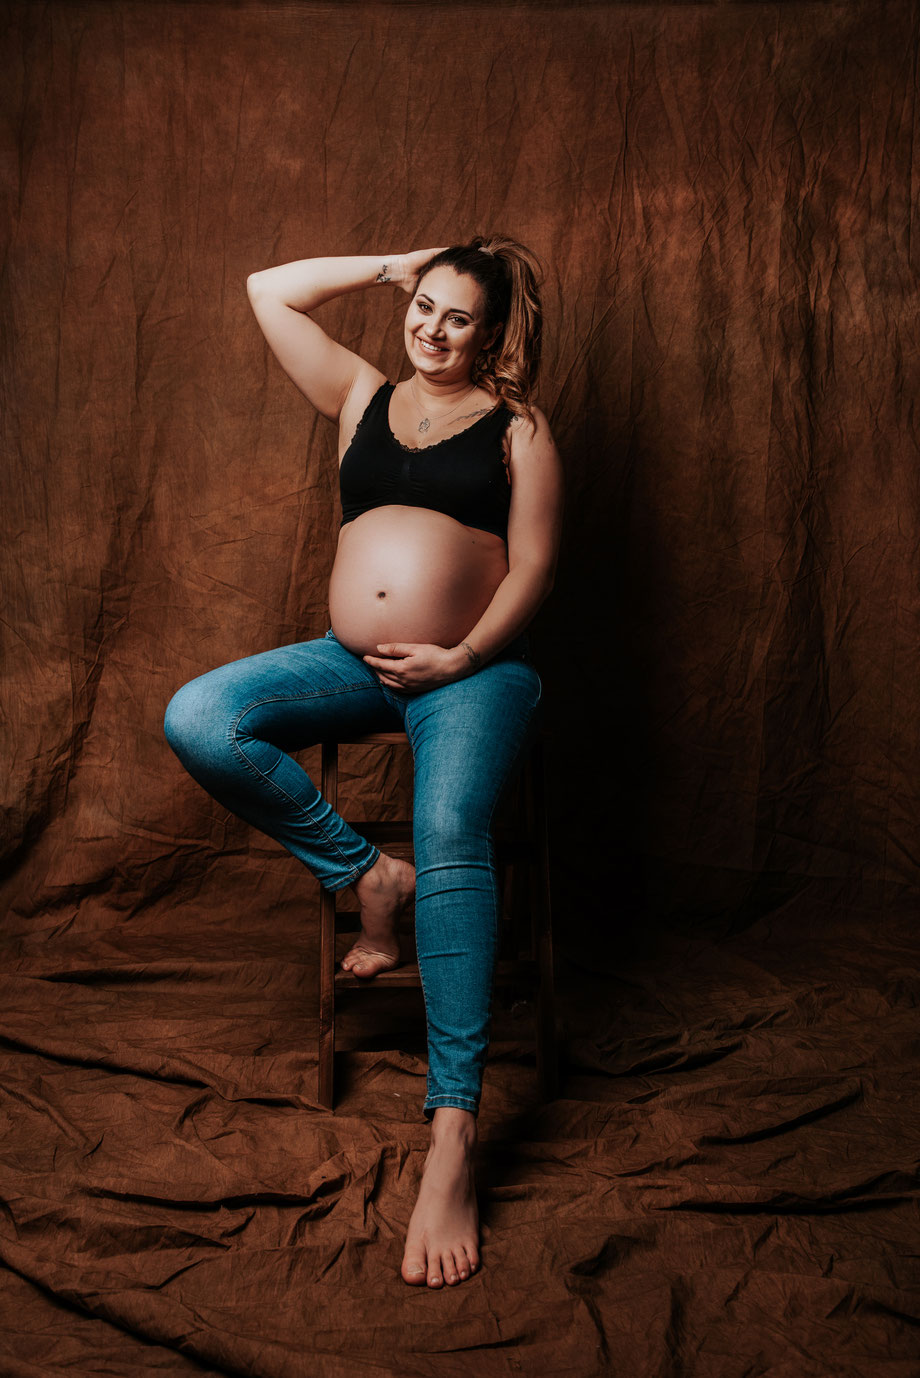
x=364, y=962
x=414, y=1270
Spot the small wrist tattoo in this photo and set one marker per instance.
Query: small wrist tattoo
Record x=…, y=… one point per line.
x=384, y=274
x=474, y=657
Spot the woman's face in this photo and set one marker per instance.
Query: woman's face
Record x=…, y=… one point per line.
x=445, y=327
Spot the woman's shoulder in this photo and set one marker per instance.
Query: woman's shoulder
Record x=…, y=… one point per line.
x=358, y=403
x=523, y=436
x=363, y=391
x=524, y=427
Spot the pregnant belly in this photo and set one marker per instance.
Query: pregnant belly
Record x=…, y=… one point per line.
x=410, y=574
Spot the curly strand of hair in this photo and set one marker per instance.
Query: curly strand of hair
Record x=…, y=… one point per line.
x=510, y=369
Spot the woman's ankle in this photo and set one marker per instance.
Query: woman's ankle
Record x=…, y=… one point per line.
x=371, y=877
x=451, y=1124
x=387, y=873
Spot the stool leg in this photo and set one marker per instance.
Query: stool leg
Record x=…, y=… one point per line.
x=547, y=1051
x=325, y=1053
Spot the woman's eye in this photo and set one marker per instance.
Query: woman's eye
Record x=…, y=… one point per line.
x=425, y=307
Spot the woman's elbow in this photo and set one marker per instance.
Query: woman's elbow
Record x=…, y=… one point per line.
x=537, y=574
x=544, y=581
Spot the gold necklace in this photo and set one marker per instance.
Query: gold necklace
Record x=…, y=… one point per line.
x=425, y=424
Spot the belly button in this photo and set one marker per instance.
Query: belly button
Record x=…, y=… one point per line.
x=381, y=594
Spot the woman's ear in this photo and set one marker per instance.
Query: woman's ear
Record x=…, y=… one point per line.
x=493, y=336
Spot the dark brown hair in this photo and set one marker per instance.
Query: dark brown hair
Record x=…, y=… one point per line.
x=509, y=277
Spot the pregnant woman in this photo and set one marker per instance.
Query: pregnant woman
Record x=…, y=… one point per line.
x=452, y=503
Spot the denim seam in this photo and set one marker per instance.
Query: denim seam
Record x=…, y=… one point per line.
x=421, y=977
x=265, y=780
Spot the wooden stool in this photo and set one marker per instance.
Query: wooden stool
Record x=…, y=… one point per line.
x=522, y=858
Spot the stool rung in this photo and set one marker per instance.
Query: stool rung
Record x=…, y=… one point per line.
x=372, y=739
x=397, y=832
x=389, y=833
x=506, y=973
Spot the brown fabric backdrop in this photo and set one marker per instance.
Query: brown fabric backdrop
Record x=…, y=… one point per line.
x=725, y=199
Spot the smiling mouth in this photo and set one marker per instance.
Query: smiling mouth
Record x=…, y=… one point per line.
x=431, y=349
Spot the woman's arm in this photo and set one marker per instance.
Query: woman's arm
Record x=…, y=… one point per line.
x=534, y=536
x=323, y=370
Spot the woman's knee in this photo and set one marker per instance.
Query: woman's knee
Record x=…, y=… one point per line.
x=192, y=718
x=452, y=827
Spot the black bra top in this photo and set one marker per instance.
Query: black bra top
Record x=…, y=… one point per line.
x=463, y=475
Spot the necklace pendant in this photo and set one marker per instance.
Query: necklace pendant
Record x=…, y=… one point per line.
x=424, y=425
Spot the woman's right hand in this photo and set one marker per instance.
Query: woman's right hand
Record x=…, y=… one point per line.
x=282, y=299
x=407, y=267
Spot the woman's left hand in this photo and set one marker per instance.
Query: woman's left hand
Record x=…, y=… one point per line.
x=414, y=666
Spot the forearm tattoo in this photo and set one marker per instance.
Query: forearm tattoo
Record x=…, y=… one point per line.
x=474, y=657
x=384, y=274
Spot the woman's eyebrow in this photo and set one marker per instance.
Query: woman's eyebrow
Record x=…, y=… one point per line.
x=457, y=310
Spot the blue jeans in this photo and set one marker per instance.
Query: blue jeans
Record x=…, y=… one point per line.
x=232, y=729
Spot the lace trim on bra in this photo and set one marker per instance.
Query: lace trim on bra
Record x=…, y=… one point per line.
x=435, y=444
x=418, y=449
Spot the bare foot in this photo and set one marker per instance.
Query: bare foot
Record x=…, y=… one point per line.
x=382, y=892
x=442, y=1244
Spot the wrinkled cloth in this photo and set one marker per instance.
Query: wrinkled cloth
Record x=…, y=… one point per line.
x=726, y=1183
x=724, y=199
